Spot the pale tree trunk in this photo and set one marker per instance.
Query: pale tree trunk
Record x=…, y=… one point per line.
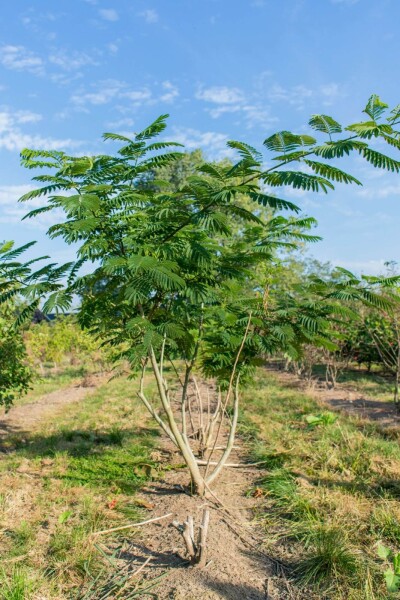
x=207, y=419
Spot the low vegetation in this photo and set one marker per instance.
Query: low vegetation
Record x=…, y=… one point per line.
x=330, y=493
x=69, y=479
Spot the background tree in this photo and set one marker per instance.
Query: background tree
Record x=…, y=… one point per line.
x=20, y=293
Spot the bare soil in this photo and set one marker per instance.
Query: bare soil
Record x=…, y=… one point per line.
x=25, y=419
x=344, y=398
x=237, y=567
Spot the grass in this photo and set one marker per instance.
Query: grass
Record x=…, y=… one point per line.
x=69, y=479
x=330, y=493
x=15, y=585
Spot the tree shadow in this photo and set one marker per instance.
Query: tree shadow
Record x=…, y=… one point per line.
x=115, y=458
x=374, y=410
x=232, y=591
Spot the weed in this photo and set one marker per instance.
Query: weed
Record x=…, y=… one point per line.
x=15, y=585
x=329, y=557
x=20, y=539
x=392, y=573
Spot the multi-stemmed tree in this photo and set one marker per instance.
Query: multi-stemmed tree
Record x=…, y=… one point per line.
x=186, y=273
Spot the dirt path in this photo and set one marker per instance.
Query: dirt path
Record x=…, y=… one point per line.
x=345, y=399
x=27, y=418
x=237, y=566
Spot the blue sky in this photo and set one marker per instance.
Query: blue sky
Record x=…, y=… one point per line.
x=223, y=69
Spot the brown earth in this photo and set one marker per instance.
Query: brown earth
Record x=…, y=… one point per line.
x=344, y=398
x=27, y=418
x=237, y=567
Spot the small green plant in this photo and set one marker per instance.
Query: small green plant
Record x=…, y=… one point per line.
x=14, y=586
x=63, y=518
x=329, y=557
x=326, y=418
x=392, y=573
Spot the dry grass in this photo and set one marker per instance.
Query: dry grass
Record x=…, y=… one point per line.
x=65, y=481
x=331, y=491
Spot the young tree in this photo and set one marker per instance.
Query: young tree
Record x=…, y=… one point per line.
x=171, y=278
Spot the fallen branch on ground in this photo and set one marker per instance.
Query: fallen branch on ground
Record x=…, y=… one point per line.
x=131, y=525
x=232, y=465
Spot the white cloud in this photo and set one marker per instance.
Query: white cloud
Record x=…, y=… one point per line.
x=213, y=143
x=171, y=92
x=300, y=96
x=104, y=92
x=11, y=211
x=126, y=122
x=27, y=116
x=12, y=138
x=71, y=61
x=383, y=191
x=226, y=100
x=295, y=95
x=150, y=15
x=109, y=14
x=19, y=58
x=113, y=48
x=137, y=95
x=220, y=95
x=113, y=90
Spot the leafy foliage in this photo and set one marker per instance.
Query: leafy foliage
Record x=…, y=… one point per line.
x=15, y=374
x=170, y=253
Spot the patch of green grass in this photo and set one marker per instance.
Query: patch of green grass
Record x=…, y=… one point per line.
x=15, y=585
x=329, y=558
x=71, y=478
x=19, y=539
x=330, y=493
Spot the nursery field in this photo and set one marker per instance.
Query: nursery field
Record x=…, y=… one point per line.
x=303, y=523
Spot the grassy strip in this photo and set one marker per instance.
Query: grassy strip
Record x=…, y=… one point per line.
x=331, y=491
x=71, y=478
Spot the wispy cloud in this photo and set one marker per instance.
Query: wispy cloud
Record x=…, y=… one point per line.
x=13, y=138
x=103, y=93
x=109, y=14
x=121, y=123
x=213, y=143
x=19, y=58
x=149, y=15
x=170, y=92
x=229, y=100
x=301, y=95
x=383, y=191
x=220, y=95
x=11, y=211
x=70, y=61
x=113, y=90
